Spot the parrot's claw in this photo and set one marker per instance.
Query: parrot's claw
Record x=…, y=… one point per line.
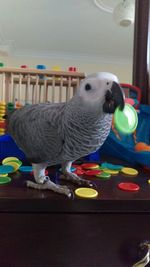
x=51, y=186
x=76, y=179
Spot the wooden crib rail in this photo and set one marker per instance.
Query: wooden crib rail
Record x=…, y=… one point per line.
x=36, y=86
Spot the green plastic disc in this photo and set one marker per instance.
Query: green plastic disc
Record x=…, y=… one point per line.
x=104, y=175
x=126, y=120
x=5, y=180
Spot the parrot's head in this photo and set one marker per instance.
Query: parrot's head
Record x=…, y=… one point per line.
x=102, y=90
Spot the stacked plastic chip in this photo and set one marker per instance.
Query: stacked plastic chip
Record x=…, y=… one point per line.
x=2, y=119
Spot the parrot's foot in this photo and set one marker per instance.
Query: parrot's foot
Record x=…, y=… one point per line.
x=51, y=186
x=75, y=179
x=41, y=179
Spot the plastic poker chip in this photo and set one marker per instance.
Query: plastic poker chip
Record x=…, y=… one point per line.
x=130, y=187
x=14, y=161
x=90, y=166
x=13, y=164
x=84, y=192
x=76, y=166
x=126, y=120
x=113, y=172
x=6, y=160
x=92, y=172
x=129, y=171
x=110, y=166
x=6, y=169
x=4, y=175
x=104, y=175
x=5, y=180
x=26, y=169
x=79, y=171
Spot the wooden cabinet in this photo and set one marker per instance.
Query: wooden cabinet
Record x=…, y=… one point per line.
x=67, y=240
x=44, y=229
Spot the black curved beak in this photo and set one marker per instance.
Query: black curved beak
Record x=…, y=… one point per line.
x=114, y=98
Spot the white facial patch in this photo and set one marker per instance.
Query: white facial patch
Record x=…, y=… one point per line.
x=98, y=84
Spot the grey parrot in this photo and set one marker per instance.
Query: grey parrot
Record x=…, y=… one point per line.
x=60, y=133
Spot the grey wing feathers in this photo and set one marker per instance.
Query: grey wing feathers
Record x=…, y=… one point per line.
x=37, y=131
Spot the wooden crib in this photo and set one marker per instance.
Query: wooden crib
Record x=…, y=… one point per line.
x=30, y=86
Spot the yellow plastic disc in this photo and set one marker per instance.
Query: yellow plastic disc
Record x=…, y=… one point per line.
x=9, y=159
x=113, y=172
x=85, y=192
x=129, y=171
x=2, y=110
x=2, y=103
x=4, y=174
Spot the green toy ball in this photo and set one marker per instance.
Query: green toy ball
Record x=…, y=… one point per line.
x=126, y=120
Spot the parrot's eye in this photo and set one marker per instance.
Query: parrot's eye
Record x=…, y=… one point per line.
x=88, y=87
x=107, y=83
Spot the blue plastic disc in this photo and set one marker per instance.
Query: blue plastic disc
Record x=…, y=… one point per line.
x=6, y=169
x=26, y=169
x=111, y=166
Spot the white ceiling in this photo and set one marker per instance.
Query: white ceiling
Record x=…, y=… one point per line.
x=75, y=27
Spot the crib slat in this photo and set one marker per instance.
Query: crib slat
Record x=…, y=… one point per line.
x=76, y=86
x=3, y=87
x=12, y=93
x=33, y=93
x=36, y=89
x=53, y=89
x=45, y=96
x=61, y=89
x=68, y=89
x=19, y=89
x=40, y=93
x=27, y=89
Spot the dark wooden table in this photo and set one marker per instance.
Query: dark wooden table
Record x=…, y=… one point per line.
x=45, y=229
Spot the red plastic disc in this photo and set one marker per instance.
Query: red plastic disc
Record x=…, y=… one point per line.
x=89, y=165
x=93, y=172
x=130, y=187
x=76, y=166
x=79, y=171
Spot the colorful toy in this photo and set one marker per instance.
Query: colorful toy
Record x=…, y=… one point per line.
x=56, y=68
x=12, y=161
x=141, y=146
x=126, y=120
x=4, y=180
x=92, y=172
x=129, y=187
x=24, y=66
x=129, y=171
x=73, y=69
x=84, y=192
x=41, y=67
x=2, y=119
x=26, y=169
x=89, y=166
